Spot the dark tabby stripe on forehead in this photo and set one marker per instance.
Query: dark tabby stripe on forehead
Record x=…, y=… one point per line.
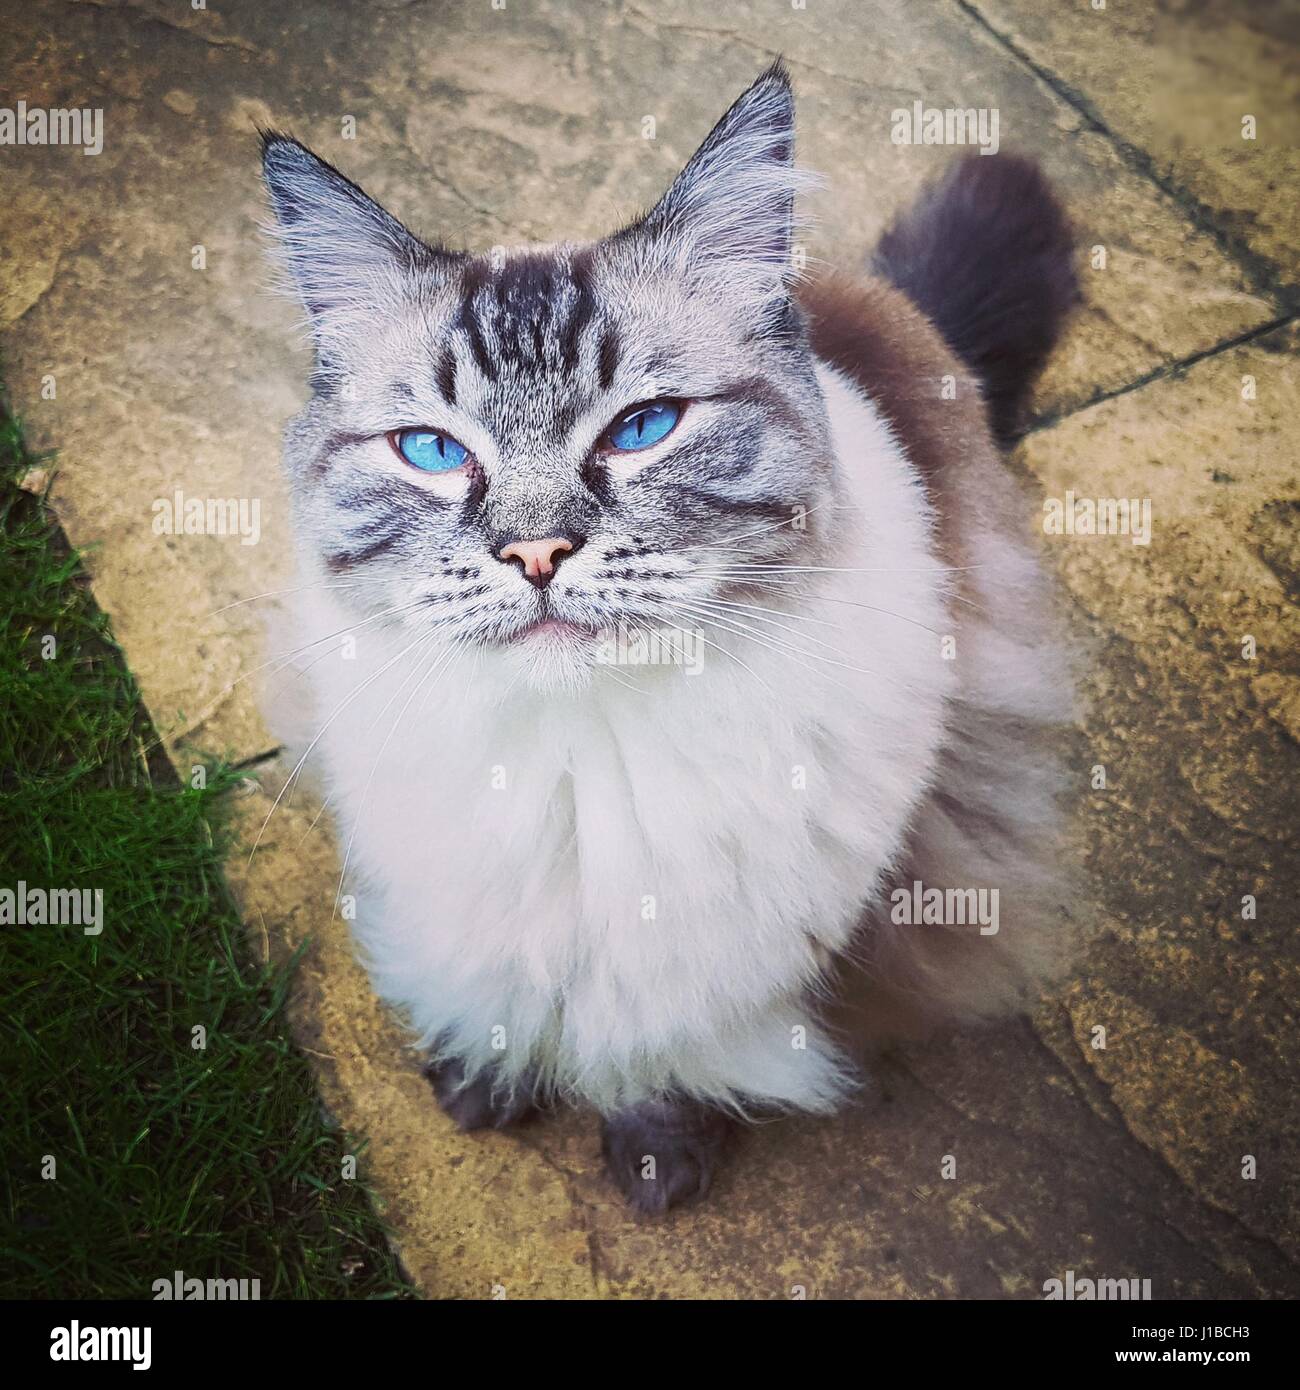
x=473, y=279
x=445, y=376
x=582, y=311
x=531, y=314
x=608, y=357
x=522, y=315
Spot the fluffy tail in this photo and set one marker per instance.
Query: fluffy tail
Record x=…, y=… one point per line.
x=986, y=254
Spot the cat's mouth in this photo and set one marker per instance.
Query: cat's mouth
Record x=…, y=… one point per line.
x=553, y=629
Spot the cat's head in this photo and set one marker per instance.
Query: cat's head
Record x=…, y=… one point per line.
x=531, y=448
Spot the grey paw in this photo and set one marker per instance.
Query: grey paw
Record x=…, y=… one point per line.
x=663, y=1153
x=478, y=1104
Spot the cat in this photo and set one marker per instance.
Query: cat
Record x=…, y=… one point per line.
x=670, y=889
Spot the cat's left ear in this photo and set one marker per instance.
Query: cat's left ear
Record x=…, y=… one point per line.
x=731, y=211
x=344, y=253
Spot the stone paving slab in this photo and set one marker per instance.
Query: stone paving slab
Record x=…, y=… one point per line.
x=1174, y=82
x=488, y=126
x=1200, y=745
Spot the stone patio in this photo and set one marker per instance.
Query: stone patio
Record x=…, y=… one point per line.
x=480, y=126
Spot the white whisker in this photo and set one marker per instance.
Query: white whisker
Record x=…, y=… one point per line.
x=438, y=662
x=299, y=589
x=343, y=704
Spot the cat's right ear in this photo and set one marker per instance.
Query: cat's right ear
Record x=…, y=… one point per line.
x=343, y=253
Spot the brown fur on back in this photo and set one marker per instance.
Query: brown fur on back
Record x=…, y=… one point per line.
x=878, y=338
x=991, y=817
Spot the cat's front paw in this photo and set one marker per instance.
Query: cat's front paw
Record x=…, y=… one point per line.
x=663, y=1153
x=480, y=1103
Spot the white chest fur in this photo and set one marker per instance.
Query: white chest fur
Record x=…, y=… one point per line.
x=621, y=889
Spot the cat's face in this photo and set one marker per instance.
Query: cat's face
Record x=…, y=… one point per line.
x=530, y=449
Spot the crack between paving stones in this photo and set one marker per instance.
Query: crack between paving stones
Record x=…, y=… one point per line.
x=1211, y=1257
x=595, y=1258
x=1265, y=275
x=1039, y=1138
x=1160, y=373
x=1106, y=1100
x=897, y=1061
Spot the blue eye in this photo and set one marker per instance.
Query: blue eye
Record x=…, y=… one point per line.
x=429, y=450
x=644, y=425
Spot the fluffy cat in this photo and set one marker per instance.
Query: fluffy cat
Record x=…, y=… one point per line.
x=668, y=888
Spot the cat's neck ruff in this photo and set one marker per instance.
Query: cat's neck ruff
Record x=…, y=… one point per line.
x=622, y=871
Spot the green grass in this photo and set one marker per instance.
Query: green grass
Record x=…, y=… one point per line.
x=217, y=1162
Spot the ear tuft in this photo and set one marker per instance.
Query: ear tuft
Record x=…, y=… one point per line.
x=342, y=251
x=732, y=208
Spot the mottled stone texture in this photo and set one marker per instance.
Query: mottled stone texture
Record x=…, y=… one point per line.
x=483, y=126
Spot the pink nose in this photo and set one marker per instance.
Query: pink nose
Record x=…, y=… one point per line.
x=537, y=559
